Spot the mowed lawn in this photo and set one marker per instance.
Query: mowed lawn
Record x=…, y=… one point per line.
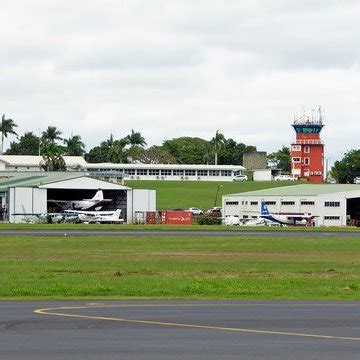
x=201, y=194
x=179, y=267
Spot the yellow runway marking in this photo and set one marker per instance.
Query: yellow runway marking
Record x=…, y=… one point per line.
x=52, y=311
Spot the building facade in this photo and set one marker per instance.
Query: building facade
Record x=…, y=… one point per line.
x=331, y=205
x=19, y=163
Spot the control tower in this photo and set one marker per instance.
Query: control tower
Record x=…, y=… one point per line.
x=307, y=152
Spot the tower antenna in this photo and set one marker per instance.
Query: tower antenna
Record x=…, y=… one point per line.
x=320, y=115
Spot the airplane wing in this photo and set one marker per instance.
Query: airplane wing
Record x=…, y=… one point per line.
x=90, y=212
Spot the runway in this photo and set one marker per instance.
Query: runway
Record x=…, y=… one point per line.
x=181, y=233
x=180, y=330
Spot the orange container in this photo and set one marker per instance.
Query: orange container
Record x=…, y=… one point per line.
x=178, y=218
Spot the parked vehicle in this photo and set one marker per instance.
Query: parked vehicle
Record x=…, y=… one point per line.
x=214, y=212
x=357, y=180
x=284, y=177
x=195, y=211
x=240, y=178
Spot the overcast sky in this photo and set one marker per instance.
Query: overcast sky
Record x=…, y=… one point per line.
x=182, y=67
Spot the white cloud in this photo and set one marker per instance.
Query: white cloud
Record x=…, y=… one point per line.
x=172, y=68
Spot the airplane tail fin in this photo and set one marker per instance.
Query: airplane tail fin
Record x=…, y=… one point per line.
x=116, y=214
x=99, y=196
x=264, y=209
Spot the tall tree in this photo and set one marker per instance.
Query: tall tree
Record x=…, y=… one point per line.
x=74, y=146
x=218, y=142
x=52, y=133
x=52, y=157
x=109, y=150
x=28, y=144
x=208, y=154
x=7, y=127
x=153, y=155
x=281, y=159
x=117, y=152
x=135, y=139
x=186, y=150
x=345, y=170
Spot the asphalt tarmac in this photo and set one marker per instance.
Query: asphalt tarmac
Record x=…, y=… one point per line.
x=181, y=233
x=180, y=330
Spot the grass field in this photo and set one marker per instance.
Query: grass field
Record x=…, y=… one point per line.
x=157, y=227
x=180, y=267
x=201, y=194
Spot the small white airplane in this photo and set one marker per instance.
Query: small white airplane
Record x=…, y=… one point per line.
x=84, y=204
x=286, y=219
x=41, y=218
x=97, y=216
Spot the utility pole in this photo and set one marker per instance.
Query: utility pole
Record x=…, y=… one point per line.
x=217, y=192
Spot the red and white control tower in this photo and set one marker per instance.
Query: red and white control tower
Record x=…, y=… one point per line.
x=307, y=152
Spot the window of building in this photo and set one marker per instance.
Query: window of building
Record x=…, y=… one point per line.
x=307, y=202
x=296, y=148
x=270, y=202
x=130, y=171
x=225, y=172
x=166, y=172
x=296, y=159
x=246, y=216
x=214, y=172
x=306, y=161
x=307, y=149
x=154, y=172
x=178, y=172
x=142, y=172
x=332, y=203
x=190, y=172
x=254, y=203
x=232, y=203
x=202, y=173
x=288, y=203
x=331, y=217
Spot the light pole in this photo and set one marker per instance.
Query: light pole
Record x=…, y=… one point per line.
x=217, y=192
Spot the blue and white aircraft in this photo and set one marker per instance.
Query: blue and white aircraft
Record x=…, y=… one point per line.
x=286, y=219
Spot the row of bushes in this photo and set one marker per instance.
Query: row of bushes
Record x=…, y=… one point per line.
x=207, y=220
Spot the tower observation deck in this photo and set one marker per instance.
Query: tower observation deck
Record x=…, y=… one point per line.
x=307, y=152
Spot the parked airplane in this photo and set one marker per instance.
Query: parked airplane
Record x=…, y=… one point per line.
x=286, y=219
x=84, y=204
x=100, y=216
x=41, y=218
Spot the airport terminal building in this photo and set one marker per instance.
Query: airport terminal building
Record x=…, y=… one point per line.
x=186, y=172
x=22, y=195
x=330, y=204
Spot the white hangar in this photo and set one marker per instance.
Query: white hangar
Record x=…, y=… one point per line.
x=331, y=204
x=22, y=194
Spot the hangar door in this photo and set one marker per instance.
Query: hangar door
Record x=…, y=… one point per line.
x=82, y=188
x=353, y=209
x=115, y=199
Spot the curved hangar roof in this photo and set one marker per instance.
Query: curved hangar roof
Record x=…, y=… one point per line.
x=59, y=181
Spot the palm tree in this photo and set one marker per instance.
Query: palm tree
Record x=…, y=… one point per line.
x=217, y=142
x=75, y=147
x=117, y=152
x=135, y=139
x=51, y=134
x=208, y=154
x=52, y=157
x=7, y=127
